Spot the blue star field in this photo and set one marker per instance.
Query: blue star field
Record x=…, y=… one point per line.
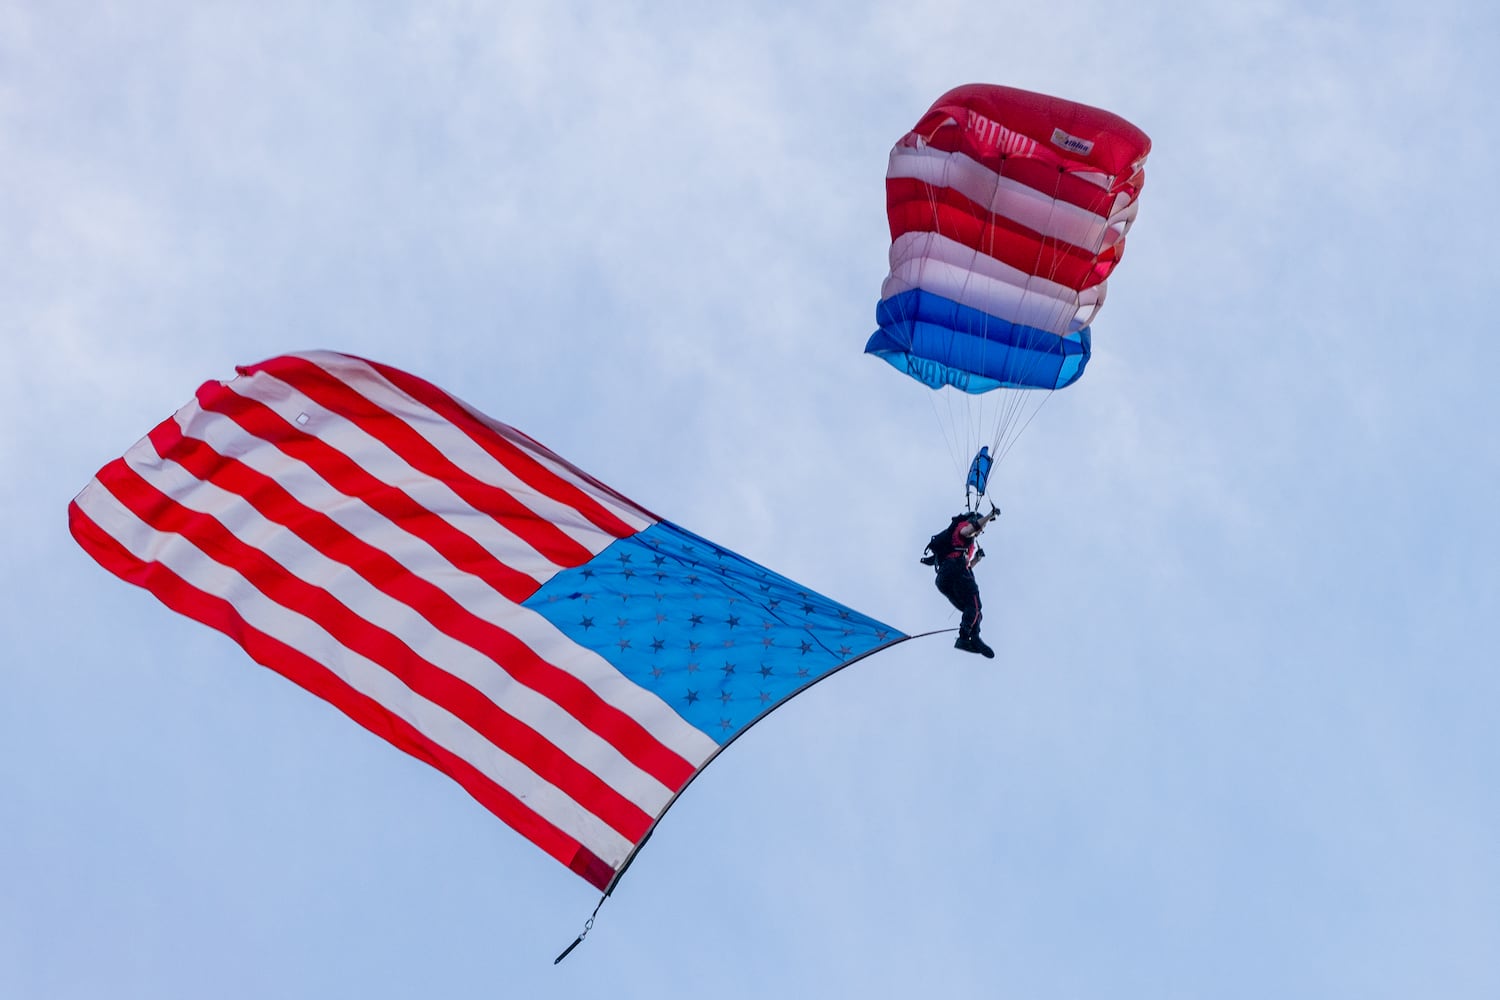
x=717, y=637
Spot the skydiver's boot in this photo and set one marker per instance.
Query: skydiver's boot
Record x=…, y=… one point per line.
x=973, y=644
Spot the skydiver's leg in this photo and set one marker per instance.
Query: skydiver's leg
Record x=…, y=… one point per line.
x=946, y=585
x=969, y=624
x=963, y=593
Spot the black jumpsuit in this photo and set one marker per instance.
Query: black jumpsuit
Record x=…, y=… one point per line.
x=956, y=582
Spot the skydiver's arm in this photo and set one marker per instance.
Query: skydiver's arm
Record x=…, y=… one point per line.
x=969, y=529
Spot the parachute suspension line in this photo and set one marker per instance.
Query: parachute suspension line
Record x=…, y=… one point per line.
x=1046, y=395
x=1004, y=440
x=997, y=421
x=1002, y=397
x=1025, y=404
x=1000, y=418
x=959, y=433
x=950, y=428
x=1013, y=404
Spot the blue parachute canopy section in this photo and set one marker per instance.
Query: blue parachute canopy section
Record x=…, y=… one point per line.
x=939, y=342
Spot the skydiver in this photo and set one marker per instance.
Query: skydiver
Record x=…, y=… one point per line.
x=953, y=554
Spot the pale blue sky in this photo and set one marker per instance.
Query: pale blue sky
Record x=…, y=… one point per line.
x=1241, y=735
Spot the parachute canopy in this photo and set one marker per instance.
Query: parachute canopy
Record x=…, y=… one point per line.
x=1008, y=210
x=569, y=658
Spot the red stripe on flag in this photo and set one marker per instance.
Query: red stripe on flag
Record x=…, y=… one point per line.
x=399, y=436
x=388, y=575
x=525, y=467
x=218, y=613
x=344, y=474
x=378, y=645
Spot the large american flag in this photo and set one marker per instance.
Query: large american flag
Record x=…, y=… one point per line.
x=569, y=658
